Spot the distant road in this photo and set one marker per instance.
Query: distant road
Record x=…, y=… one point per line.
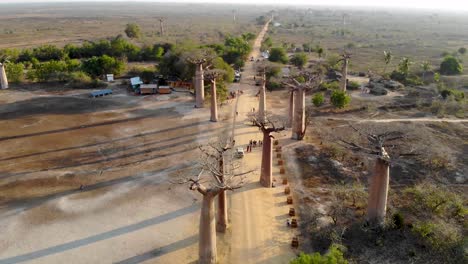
x=390, y=120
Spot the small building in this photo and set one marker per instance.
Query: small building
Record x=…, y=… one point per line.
x=135, y=83
x=163, y=89
x=148, y=88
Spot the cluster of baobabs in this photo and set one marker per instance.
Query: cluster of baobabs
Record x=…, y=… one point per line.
x=224, y=175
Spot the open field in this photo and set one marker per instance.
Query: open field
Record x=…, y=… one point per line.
x=29, y=25
x=419, y=35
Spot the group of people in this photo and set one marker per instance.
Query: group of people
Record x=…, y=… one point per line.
x=252, y=144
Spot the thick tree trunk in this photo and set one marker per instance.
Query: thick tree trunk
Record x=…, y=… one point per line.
x=214, y=103
x=344, y=72
x=3, y=77
x=299, y=115
x=222, y=222
x=199, y=87
x=266, y=176
x=291, y=109
x=207, y=240
x=378, y=192
x=262, y=103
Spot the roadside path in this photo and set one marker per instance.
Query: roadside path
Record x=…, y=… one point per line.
x=390, y=120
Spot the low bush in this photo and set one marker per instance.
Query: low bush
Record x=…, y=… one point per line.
x=340, y=99
x=333, y=256
x=352, y=85
x=330, y=86
x=318, y=99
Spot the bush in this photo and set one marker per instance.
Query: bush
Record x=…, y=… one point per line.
x=272, y=85
x=458, y=95
x=15, y=72
x=49, y=71
x=330, y=86
x=398, y=220
x=440, y=235
x=318, y=99
x=340, y=99
x=299, y=60
x=132, y=30
x=333, y=256
x=352, y=85
x=97, y=66
x=278, y=55
x=451, y=66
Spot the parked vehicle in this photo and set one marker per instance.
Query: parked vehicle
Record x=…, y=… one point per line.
x=240, y=152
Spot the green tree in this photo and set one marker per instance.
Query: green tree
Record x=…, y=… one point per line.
x=339, y=99
x=278, y=55
x=15, y=72
x=404, y=66
x=462, y=50
x=132, y=30
x=388, y=56
x=49, y=71
x=425, y=66
x=318, y=99
x=451, y=66
x=97, y=66
x=299, y=60
x=320, y=51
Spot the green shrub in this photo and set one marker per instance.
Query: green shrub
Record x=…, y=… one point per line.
x=48, y=71
x=398, y=220
x=340, y=99
x=15, y=72
x=440, y=235
x=97, y=66
x=330, y=86
x=299, y=60
x=333, y=256
x=353, y=85
x=451, y=66
x=278, y=55
x=273, y=85
x=458, y=95
x=318, y=99
x=132, y=30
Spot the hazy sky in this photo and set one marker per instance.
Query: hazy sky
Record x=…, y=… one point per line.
x=457, y=5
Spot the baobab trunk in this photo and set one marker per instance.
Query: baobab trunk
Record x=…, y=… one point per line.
x=262, y=103
x=344, y=72
x=299, y=115
x=291, y=109
x=378, y=191
x=266, y=176
x=207, y=240
x=199, y=87
x=3, y=77
x=214, y=103
x=222, y=221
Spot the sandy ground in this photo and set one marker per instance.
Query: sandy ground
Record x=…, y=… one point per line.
x=125, y=151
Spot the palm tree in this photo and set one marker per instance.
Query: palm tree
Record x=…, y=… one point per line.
x=388, y=56
x=425, y=66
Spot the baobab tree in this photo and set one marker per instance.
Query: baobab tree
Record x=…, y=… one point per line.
x=384, y=146
x=388, y=56
x=222, y=179
x=299, y=84
x=161, y=26
x=212, y=76
x=267, y=124
x=3, y=76
x=344, y=70
x=199, y=58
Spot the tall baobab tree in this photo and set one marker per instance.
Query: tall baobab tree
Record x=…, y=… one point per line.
x=212, y=162
x=212, y=76
x=161, y=25
x=388, y=57
x=384, y=146
x=344, y=70
x=268, y=124
x=199, y=58
x=3, y=76
x=299, y=85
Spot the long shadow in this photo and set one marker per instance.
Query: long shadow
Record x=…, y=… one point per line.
x=61, y=105
x=161, y=251
x=29, y=203
x=99, y=237
x=109, y=141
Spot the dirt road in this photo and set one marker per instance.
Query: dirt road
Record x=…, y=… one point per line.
x=258, y=215
x=390, y=120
